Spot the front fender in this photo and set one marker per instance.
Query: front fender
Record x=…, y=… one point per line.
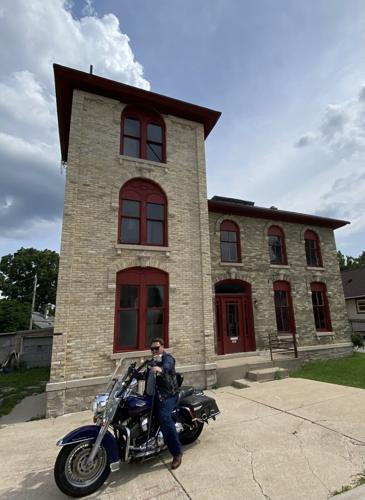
x=89, y=433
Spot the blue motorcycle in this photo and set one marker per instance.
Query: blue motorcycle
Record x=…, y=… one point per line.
x=125, y=429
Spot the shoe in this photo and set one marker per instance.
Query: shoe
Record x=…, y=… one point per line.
x=176, y=462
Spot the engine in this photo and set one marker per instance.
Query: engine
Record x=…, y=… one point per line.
x=145, y=437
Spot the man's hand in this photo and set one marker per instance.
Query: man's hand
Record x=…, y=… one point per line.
x=156, y=369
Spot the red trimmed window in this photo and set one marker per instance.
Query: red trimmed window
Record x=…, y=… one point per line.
x=142, y=214
x=141, y=308
x=277, y=250
x=283, y=307
x=143, y=135
x=230, y=242
x=321, y=310
x=312, y=249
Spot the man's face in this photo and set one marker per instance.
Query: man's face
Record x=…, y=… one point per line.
x=156, y=348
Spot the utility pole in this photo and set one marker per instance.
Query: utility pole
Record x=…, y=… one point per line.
x=33, y=302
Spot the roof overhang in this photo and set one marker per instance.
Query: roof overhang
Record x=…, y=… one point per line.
x=68, y=79
x=274, y=214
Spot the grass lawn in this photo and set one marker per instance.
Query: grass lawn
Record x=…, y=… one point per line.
x=344, y=371
x=18, y=384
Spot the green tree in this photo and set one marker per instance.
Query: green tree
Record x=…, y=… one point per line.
x=361, y=260
x=348, y=262
x=14, y=315
x=341, y=260
x=17, y=273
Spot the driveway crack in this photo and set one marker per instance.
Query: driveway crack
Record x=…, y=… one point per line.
x=355, y=441
x=301, y=445
x=253, y=474
x=175, y=478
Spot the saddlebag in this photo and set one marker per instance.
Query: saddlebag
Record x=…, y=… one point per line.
x=202, y=407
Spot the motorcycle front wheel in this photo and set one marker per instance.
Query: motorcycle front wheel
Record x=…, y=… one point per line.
x=74, y=476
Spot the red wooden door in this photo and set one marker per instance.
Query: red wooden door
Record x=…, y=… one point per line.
x=234, y=324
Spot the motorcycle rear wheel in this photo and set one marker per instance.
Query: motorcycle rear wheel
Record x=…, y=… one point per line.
x=74, y=476
x=190, y=435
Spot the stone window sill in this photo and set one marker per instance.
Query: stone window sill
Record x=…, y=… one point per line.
x=142, y=163
x=142, y=248
x=232, y=264
x=279, y=266
x=311, y=268
x=324, y=334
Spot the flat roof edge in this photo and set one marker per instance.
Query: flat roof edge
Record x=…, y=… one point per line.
x=275, y=214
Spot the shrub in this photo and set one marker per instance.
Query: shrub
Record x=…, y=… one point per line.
x=357, y=340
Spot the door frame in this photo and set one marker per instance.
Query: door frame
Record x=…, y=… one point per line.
x=247, y=342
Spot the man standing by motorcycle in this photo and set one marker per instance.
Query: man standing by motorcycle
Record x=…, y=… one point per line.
x=162, y=384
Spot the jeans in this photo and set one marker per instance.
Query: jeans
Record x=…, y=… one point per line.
x=171, y=438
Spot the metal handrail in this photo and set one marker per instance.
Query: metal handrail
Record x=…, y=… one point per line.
x=274, y=338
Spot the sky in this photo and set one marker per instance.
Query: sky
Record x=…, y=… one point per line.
x=288, y=77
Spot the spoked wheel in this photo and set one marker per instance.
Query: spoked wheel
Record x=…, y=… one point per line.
x=74, y=476
x=188, y=435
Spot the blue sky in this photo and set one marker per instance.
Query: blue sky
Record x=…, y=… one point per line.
x=288, y=76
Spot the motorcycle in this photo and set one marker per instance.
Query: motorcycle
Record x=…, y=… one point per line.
x=125, y=429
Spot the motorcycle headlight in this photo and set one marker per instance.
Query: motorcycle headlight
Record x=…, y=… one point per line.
x=99, y=403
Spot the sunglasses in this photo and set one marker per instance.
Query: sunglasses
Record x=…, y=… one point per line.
x=155, y=348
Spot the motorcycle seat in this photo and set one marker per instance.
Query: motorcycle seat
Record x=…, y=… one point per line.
x=185, y=391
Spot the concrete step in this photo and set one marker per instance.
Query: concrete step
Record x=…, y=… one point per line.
x=242, y=383
x=267, y=374
x=237, y=369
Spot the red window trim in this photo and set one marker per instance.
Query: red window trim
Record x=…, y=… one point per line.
x=284, y=286
x=144, y=191
x=277, y=231
x=145, y=118
x=141, y=277
x=321, y=287
x=230, y=226
x=310, y=235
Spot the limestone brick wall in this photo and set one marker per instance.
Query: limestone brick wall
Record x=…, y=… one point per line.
x=91, y=255
x=256, y=269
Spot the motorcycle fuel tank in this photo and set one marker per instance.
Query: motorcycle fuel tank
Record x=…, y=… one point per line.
x=137, y=404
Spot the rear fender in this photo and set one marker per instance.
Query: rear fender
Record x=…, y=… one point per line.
x=90, y=433
x=184, y=414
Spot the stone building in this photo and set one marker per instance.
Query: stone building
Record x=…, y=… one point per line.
x=145, y=254
x=353, y=282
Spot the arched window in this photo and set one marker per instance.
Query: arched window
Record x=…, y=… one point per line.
x=141, y=308
x=143, y=135
x=312, y=249
x=283, y=307
x=321, y=310
x=277, y=250
x=142, y=213
x=230, y=242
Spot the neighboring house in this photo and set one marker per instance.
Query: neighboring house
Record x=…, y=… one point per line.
x=41, y=321
x=145, y=254
x=33, y=346
x=354, y=289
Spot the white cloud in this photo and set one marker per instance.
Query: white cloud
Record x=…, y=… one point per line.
x=34, y=35
x=342, y=127
x=317, y=171
x=336, y=187
x=89, y=9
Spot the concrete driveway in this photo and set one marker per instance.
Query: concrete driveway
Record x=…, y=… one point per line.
x=288, y=439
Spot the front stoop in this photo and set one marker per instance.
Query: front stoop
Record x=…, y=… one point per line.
x=267, y=374
x=236, y=368
x=233, y=369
